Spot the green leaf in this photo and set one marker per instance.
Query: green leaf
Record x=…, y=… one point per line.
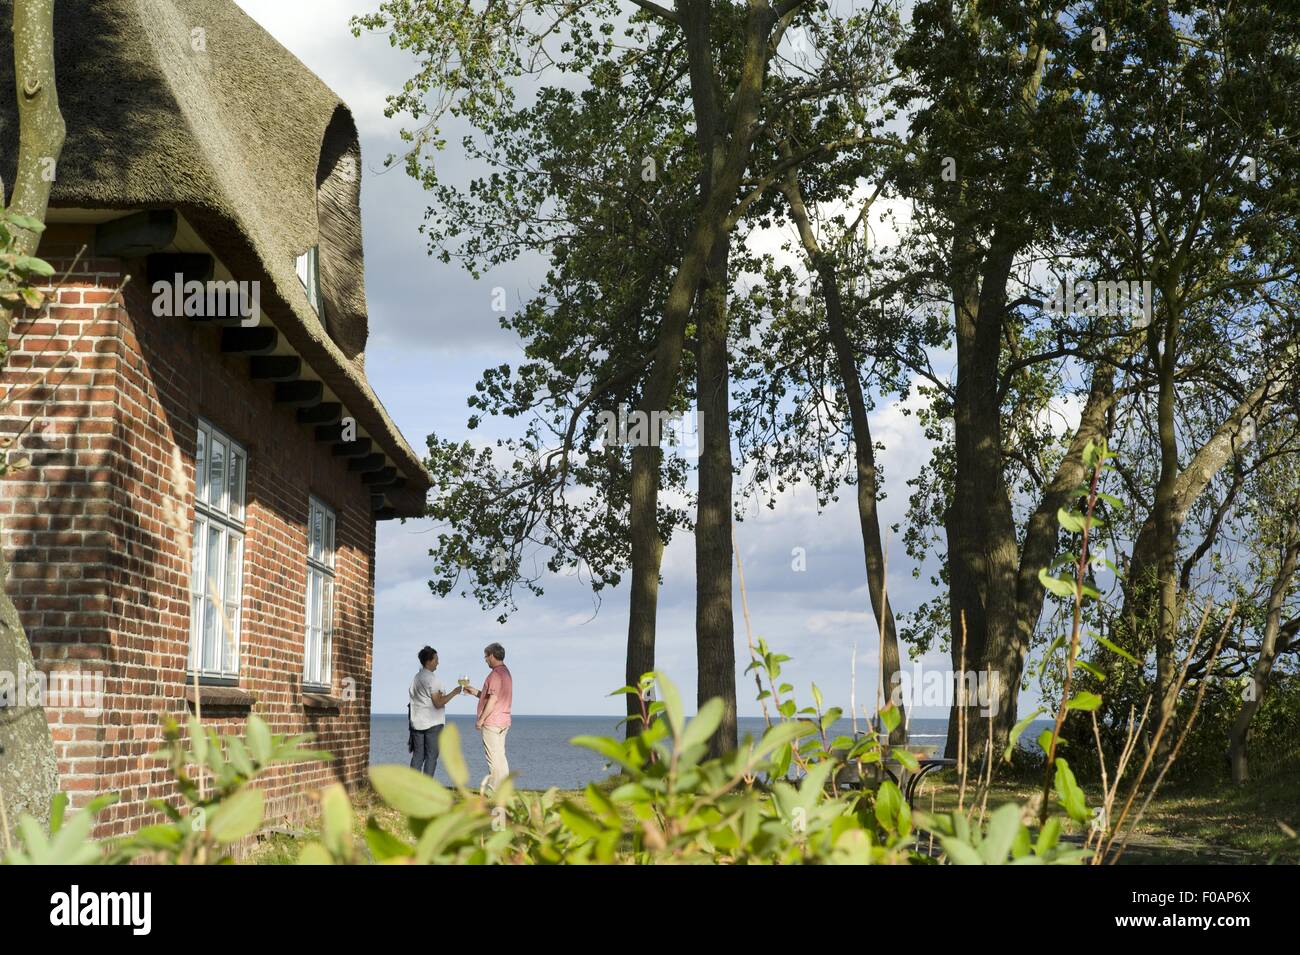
x=259, y=739
x=601, y=805
x=906, y=759
x=702, y=727
x=159, y=836
x=1070, y=520
x=959, y=852
x=1048, y=837
x=336, y=820
x=450, y=752
x=1092, y=669
x=239, y=757
x=313, y=853
x=198, y=741
x=1004, y=824
x=1020, y=845
x=1057, y=585
x=890, y=717
x=1083, y=700
x=1113, y=648
x=1045, y=740
x=29, y=263
x=611, y=749
x=889, y=802
x=672, y=701
x=25, y=222
x=383, y=845
x=410, y=792
x=1018, y=730
x=578, y=822
x=1071, y=796
x=58, y=803
x=237, y=816
x=780, y=734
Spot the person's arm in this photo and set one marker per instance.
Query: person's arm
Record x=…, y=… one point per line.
x=487, y=710
x=442, y=699
x=490, y=690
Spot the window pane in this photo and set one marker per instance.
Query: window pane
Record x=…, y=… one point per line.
x=327, y=630
x=317, y=532
x=201, y=466
x=209, y=660
x=212, y=564
x=311, y=650
x=196, y=558
x=217, y=474
x=329, y=540
x=230, y=596
x=211, y=587
x=196, y=632
x=234, y=553
x=314, y=620
x=230, y=645
x=236, y=483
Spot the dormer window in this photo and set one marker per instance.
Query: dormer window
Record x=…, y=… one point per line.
x=309, y=274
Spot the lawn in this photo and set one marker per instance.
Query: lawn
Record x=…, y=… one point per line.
x=1213, y=823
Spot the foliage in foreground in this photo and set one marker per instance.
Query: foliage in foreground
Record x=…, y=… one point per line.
x=672, y=806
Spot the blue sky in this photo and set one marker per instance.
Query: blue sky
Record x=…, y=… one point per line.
x=431, y=333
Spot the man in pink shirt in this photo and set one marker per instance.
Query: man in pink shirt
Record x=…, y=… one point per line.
x=493, y=720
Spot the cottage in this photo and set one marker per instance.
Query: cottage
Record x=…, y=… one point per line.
x=204, y=481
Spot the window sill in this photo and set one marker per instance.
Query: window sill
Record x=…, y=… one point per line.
x=320, y=700
x=223, y=696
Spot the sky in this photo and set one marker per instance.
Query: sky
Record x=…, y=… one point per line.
x=432, y=331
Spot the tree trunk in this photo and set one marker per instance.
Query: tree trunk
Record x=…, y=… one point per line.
x=864, y=454
x=982, y=549
x=715, y=648
x=724, y=161
x=29, y=774
x=1239, y=733
x=647, y=551
x=28, y=767
x=1043, y=530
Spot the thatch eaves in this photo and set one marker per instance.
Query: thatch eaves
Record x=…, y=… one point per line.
x=191, y=105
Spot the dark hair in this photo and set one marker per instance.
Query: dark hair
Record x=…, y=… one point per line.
x=496, y=650
x=427, y=654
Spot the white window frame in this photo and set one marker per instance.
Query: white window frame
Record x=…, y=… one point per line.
x=318, y=630
x=308, y=267
x=218, y=537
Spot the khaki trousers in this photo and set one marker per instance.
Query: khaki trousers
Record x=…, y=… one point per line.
x=494, y=748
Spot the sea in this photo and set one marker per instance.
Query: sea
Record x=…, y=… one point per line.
x=541, y=756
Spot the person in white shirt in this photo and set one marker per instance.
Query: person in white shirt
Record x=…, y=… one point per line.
x=428, y=713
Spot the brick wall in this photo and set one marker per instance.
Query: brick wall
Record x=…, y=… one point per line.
x=98, y=528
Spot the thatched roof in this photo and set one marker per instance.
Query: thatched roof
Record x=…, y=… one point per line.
x=244, y=141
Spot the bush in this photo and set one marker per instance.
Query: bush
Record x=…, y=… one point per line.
x=672, y=805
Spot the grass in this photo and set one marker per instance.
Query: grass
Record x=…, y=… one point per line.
x=1190, y=823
